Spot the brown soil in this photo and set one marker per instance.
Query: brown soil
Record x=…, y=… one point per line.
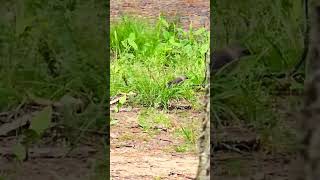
x=196, y=12
x=136, y=154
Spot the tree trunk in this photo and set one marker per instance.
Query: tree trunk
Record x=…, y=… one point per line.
x=310, y=116
x=204, y=141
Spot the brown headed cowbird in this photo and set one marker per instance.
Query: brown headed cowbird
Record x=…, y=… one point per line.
x=176, y=81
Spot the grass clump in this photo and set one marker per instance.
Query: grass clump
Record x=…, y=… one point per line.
x=145, y=57
x=274, y=34
x=47, y=52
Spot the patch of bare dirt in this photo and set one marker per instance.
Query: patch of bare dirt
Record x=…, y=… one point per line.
x=149, y=165
x=196, y=12
x=136, y=154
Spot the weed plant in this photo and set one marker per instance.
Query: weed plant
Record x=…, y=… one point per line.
x=47, y=51
x=145, y=56
x=273, y=31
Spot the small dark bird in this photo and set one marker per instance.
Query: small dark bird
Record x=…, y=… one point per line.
x=227, y=55
x=177, y=81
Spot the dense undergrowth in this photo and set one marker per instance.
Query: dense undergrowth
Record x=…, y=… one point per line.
x=46, y=48
x=145, y=56
x=252, y=92
x=49, y=49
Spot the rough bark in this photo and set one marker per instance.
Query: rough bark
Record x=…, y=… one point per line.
x=204, y=141
x=310, y=116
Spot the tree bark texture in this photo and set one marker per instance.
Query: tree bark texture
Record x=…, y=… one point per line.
x=310, y=114
x=204, y=140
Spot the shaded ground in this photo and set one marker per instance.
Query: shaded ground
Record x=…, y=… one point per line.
x=244, y=160
x=51, y=158
x=240, y=154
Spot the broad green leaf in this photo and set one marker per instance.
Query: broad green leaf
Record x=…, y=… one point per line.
x=123, y=99
x=124, y=43
x=133, y=44
x=132, y=36
x=41, y=121
x=19, y=151
x=166, y=35
x=131, y=41
x=116, y=109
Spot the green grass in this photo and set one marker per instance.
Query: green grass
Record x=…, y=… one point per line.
x=150, y=119
x=273, y=31
x=146, y=56
x=45, y=52
x=153, y=121
x=49, y=49
x=190, y=135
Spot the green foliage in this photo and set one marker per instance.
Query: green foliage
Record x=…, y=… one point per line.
x=273, y=31
x=42, y=120
x=39, y=123
x=48, y=47
x=121, y=102
x=19, y=151
x=182, y=148
x=150, y=119
x=146, y=55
